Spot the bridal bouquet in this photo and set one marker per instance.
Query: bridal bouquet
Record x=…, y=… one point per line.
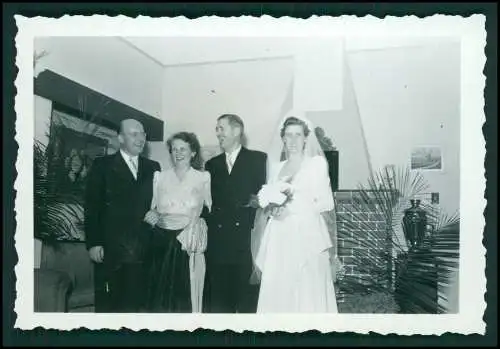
x=275, y=195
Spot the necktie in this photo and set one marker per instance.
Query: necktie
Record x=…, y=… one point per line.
x=229, y=164
x=134, y=167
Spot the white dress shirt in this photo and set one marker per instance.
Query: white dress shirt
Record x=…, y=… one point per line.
x=231, y=158
x=132, y=162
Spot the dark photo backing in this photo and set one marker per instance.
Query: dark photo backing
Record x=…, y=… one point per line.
x=41, y=337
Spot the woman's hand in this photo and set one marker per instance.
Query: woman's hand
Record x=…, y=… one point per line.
x=152, y=217
x=279, y=212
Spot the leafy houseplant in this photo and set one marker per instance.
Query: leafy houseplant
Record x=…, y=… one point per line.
x=58, y=206
x=56, y=213
x=388, y=264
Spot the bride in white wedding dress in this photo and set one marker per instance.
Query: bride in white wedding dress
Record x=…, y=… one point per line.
x=291, y=248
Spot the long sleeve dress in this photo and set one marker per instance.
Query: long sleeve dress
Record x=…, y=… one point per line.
x=294, y=254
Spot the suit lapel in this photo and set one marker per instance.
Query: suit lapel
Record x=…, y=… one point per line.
x=222, y=165
x=141, y=164
x=238, y=163
x=121, y=168
x=237, y=166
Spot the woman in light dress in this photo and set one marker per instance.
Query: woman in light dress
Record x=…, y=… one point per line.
x=291, y=247
x=178, y=237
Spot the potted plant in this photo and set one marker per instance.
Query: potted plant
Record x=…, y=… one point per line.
x=58, y=216
x=404, y=269
x=56, y=213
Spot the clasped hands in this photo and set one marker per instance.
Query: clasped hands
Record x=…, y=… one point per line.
x=152, y=217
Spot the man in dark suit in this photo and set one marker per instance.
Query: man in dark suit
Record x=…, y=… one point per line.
x=118, y=195
x=236, y=175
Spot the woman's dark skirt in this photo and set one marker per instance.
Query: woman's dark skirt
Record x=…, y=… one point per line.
x=168, y=289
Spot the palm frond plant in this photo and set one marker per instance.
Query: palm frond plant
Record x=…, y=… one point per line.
x=389, y=263
x=56, y=213
x=58, y=207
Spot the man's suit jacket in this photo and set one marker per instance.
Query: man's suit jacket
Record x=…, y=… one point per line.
x=115, y=206
x=230, y=222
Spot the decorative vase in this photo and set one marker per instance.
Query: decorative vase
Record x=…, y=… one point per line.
x=414, y=223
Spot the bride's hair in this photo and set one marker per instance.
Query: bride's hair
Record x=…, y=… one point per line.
x=292, y=120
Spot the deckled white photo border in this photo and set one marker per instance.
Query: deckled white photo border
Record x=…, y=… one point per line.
x=472, y=257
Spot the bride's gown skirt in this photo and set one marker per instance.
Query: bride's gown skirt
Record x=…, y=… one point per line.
x=294, y=253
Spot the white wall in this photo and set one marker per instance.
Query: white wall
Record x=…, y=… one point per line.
x=106, y=65
x=194, y=96
x=343, y=127
x=43, y=111
x=372, y=93
x=308, y=72
x=158, y=151
x=414, y=90
x=318, y=74
x=409, y=97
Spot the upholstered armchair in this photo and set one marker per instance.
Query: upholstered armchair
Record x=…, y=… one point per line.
x=52, y=290
x=65, y=280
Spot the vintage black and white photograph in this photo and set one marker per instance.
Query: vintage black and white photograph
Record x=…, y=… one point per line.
x=257, y=170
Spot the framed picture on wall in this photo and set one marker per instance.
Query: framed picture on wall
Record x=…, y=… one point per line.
x=72, y=156
x=74, y=143
x=427, y=158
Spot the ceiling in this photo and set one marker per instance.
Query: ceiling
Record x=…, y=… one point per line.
x=168, y=51
x=175, y=51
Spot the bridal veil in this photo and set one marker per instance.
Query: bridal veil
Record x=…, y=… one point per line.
x=276, y=154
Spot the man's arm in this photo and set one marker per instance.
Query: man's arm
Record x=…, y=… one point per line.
x=208, y=166
x=205, y=213
x=94, y=204
x=156, y=166
x=262, y=172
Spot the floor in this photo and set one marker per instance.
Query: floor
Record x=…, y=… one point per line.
x=89, y=309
